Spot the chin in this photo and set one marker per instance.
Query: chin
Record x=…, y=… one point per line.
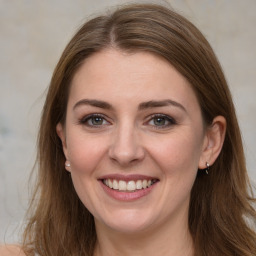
x=127, y=222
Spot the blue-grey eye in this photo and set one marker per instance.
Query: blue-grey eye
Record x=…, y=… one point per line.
x=161, y=121
x=96, y=120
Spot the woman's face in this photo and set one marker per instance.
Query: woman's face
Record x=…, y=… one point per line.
x=134, y=139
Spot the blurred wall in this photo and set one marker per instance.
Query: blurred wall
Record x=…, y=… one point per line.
x=33, y=34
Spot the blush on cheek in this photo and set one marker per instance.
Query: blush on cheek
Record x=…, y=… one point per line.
x=84, y=156
x=179, y=158
x=82, y=164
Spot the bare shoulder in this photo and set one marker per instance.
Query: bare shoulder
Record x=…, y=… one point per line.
x=11, y=250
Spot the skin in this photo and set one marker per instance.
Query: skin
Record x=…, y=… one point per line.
x=11, y=250
x=128, y=139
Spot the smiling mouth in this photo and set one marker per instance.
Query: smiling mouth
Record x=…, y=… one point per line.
x=129, y=186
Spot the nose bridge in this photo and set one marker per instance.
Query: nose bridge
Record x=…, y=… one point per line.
x=126, y=145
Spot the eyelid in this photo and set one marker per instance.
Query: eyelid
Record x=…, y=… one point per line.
x=86, y=118
x=170, y=119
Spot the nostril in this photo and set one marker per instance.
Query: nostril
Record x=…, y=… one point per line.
x=126, y=156
x=126, y=148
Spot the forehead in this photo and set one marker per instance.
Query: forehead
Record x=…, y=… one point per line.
x=114, y=74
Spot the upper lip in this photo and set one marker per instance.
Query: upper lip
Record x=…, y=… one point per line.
x=129, y=177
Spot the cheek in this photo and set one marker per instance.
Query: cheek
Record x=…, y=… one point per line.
x=84, y=153
x=85, y=156
x=178, y=153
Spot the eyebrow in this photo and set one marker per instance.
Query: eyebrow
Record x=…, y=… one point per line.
x=142, y=106
x=94, y=103
x=161, y=103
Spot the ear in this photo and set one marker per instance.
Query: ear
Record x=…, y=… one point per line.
x=61, y=133
x=213, y=141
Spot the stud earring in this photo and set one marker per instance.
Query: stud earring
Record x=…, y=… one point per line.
x=207, y=168
x=67, y=164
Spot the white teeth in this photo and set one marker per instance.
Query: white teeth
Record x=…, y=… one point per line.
x=138, y=184
x=144, y=183
x=115, y=184
x=110, y=183
x=122, y=185
x=131, y=185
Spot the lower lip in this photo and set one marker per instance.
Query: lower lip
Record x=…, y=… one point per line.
x=127, y=196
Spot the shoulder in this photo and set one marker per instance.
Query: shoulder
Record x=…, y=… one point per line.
x=11, y=250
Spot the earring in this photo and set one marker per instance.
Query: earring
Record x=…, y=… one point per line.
x=207, y=168
x=67, y=164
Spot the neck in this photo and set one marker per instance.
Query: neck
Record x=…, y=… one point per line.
x=175, y=241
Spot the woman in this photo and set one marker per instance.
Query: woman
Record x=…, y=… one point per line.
x=139, y=149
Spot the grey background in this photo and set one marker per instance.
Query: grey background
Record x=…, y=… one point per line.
x=32, y=37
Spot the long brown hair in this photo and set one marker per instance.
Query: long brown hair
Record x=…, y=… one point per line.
x=59, y=224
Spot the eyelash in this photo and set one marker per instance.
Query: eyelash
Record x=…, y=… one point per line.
x=85, y=121
x=166, y=118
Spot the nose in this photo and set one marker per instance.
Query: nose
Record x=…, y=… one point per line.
x=126, y=147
